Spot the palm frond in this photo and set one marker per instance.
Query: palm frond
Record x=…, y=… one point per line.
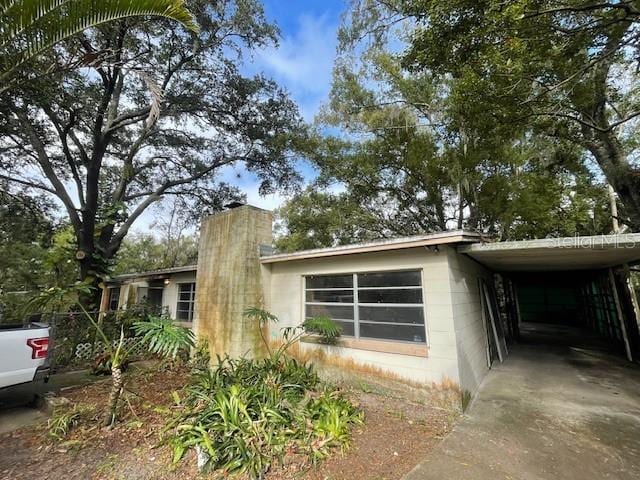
x=328, y=330
x=164, y=337
x=28, y=27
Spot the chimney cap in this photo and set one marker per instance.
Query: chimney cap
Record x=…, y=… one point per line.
x=231, y=205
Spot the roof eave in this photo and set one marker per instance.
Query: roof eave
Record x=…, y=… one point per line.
x=457, y=237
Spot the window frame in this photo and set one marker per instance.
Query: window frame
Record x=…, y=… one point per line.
x=356, y=304
x=191, y=302
x=111, y=299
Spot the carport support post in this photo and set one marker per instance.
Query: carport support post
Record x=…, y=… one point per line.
x=623, y=326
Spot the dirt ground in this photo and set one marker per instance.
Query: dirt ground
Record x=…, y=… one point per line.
x=395, y=436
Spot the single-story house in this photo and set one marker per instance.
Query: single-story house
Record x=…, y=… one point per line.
x=170, y=290
x=425, y=308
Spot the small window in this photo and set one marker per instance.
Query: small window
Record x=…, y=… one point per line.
x=186, y=301
x=377, y=305
x=114, y=298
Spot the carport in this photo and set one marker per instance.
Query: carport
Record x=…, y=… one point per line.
x=574, y=290
x=564, y=404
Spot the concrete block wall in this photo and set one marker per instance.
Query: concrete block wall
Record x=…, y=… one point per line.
x=229, y=279
x=286, y=300
x=470, y=330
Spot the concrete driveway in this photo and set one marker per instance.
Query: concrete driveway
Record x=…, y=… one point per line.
x=556, y=409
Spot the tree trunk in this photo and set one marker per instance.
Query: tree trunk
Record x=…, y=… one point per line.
x=116, y=391
x=624, y=179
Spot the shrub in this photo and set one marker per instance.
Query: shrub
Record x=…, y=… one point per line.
x=200, y=358
x=244, y=415
x=163, y=337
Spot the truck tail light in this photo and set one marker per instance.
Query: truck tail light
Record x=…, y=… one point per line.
x=39, y=347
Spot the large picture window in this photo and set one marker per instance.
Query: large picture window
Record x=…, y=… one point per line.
x=379, y=305
x=186, y=301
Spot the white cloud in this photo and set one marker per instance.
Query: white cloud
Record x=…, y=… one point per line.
x=303, y=61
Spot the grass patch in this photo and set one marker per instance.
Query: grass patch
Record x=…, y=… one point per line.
x=64, y=419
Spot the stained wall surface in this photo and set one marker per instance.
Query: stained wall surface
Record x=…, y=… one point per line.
x=229, y=279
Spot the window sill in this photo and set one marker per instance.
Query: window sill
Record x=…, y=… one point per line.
x=183, y=323
x=383, y=346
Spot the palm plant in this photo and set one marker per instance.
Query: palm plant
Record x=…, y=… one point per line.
x=29, y=27
x=160, y=336
x=323, y=326
x=163, y=337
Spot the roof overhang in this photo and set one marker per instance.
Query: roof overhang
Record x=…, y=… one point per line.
x=455, y=236
x=557, y=254
x=153, y=274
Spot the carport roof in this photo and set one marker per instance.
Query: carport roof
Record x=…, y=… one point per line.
x=557, y=254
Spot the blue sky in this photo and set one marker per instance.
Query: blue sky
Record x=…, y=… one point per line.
x=302, y=64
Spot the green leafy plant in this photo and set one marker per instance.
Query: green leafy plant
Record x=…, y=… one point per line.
x=200, y=359
x=264, y=318
x=244, y=415
x=63, y=420
x=29, y=27
x=163, y=337
x=331, y=416
x=327, y=329
x=323, y=326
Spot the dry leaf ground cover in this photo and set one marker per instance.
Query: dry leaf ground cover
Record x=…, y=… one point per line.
x=396, y=433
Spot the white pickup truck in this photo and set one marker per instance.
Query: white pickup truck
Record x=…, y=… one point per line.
x=24, y=354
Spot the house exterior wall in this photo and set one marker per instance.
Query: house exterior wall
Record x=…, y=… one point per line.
x=286, y=301
x=129, y=289
x=170, y=292
x=470, y=330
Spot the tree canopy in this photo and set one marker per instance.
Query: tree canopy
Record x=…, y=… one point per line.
x=565, y=70
x=159, y=112
x=424, y=152
x=30, y=27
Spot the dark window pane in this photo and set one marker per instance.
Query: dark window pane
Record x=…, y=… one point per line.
x=338, y=296
x=330, y=281
x=346, y=328
x=392, y=314
x=154, y=297
x=393, y=332
x=389, y=279
x=331, y=311
x=407, y=295
x=184, y=308
x=114, y=297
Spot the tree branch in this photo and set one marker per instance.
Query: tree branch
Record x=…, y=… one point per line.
x=63, y=133
x=28, y=183
x=47, y=168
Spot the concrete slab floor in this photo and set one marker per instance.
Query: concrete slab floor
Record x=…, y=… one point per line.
x=555, y=409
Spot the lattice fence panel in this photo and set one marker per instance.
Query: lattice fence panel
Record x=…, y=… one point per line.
x=84, y=350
